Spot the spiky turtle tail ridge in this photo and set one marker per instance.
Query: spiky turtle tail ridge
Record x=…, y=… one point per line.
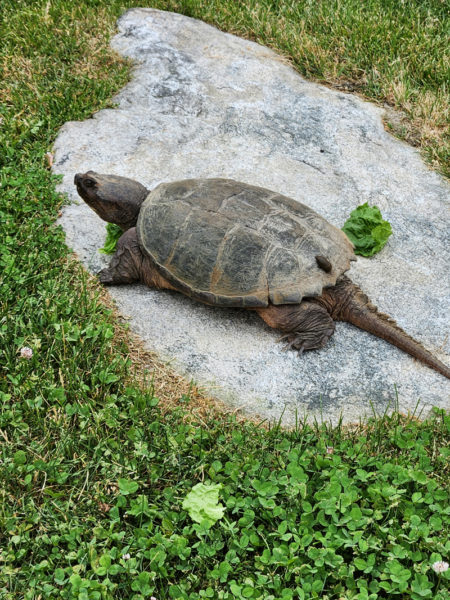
x=353, y=306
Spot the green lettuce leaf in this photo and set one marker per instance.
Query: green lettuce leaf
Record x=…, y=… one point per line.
x=367, y=229
x=202, y=503
x=113, y=233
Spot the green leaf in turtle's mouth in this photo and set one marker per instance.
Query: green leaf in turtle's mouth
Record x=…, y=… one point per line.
x=113, y=233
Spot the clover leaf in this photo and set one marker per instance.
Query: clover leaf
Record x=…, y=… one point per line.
x=127, y=486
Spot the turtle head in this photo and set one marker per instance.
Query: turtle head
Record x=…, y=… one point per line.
x=115, y=199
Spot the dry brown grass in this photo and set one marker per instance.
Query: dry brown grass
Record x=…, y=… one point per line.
x=97, y=56
x=12, y=69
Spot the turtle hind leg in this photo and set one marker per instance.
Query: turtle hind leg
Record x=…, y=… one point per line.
x=306, y=326
x=124, y=265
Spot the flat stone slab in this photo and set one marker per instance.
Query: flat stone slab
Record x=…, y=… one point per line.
x=203, y=103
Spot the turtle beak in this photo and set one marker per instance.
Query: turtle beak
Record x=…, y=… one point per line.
x=77, y=179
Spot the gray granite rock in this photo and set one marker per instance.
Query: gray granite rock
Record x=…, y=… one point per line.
x=203, y=103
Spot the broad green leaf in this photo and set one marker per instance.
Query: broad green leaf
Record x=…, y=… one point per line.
x=202, y=503
x=142, y=584
x=75, y=580
x=59, y=576
x=127, y=486
x=139, y=506
x=113, y=233
x=367, y=230
x=421, y=585
x=223, y=570
x=105, y=561
x=20, y=458
x=360, y=563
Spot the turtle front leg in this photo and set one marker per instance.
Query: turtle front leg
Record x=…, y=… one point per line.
x=124, y=265
x=129, y=264
x=307, y=326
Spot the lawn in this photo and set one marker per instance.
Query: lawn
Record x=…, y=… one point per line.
x=97, y=457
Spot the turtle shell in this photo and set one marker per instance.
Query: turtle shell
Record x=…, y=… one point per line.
x=228, y=243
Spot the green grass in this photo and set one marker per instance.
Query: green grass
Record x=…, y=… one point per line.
x=94, y=493
x=365, y=521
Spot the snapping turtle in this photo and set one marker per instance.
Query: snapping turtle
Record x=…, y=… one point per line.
x=227, y=243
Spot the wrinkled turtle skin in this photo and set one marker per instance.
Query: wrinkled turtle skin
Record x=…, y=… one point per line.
x=228, y=243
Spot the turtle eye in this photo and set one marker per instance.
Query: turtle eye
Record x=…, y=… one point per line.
x=89, y=182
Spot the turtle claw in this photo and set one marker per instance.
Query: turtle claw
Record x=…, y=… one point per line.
x=105, y=277
x=292, y=343
x=301, y=341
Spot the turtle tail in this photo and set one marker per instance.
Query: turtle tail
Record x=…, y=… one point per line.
x=349, y=303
